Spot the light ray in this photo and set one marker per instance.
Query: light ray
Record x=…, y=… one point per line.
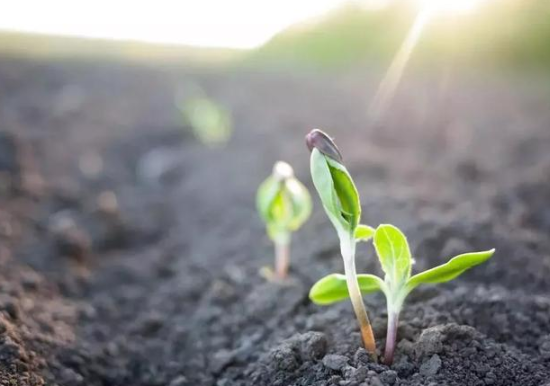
x=393, y=76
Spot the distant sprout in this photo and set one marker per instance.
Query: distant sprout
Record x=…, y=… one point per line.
x=341, y=202
x=211, y=122
x=284, y=205
x=395, y=257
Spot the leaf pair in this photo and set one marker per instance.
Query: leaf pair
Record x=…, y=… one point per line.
x=283, y=202
x=395, y=257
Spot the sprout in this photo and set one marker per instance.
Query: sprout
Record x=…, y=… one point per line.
x=341, y=202
x=395, y=257
x=210, y=121
x=284, y=204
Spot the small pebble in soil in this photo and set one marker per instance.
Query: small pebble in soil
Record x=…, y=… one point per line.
x=431, y=366
x=361, y=357
x=335, y=362
x=429, y=342
x=313, y=345
x=284, y=357
x=348, y=371
x=388, y=377
x=360, y=374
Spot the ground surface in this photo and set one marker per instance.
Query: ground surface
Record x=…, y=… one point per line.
x=129, y=252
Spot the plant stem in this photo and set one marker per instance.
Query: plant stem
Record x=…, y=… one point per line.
x=393, y=320
x=347, y=246
x=282, y=257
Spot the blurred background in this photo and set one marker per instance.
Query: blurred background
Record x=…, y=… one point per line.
x=386, y=41
x=322, y=34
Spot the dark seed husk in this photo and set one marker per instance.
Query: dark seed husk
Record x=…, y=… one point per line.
x=321, y=141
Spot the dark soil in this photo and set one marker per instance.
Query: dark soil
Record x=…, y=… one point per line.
x=129, y=252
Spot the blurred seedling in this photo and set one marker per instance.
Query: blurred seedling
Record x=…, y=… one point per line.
x=342, y=206
x=284, y=205
x=210, y=122
x=395, y=257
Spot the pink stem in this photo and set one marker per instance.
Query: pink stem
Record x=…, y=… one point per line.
x=393, y=319
x=282, y=259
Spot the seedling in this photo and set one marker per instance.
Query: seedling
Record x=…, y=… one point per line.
x=284, y=204
x=395, y=257
x=210, y=121
x=341, y=202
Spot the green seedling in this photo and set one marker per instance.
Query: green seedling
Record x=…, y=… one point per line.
x=341, y=203
x=284, y=205
x=395, y=257
x=210, y=121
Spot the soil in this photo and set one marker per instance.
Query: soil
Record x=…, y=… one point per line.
x=130, y=252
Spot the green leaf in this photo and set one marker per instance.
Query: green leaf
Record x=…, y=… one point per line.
x=267, y=194
x=394, y=253
x=452, y=269
x=322, y=179
x=336, y=190
x=364, y=232
x=350, y=205
x=333, y=288
x=300, y=200
x=211, y=122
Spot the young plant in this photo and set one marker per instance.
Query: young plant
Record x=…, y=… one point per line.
x=284, y=205
x=341, y=202
x=395, y=257
x=210, y=121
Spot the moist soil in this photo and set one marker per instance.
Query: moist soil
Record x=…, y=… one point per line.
x=130, y=252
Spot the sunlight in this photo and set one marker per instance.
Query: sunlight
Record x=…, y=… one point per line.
x=393, y=76
x=428, y=9
x=214, y=23
x=455, y=7
x=207, y=23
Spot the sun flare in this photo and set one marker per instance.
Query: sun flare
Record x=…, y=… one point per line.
x=428, y=10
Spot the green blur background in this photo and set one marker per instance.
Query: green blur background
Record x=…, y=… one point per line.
x=500, y=34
